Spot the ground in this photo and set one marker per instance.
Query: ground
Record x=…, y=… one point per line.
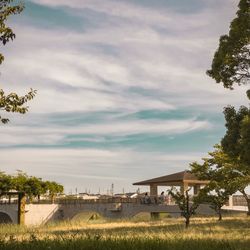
x=93, y=232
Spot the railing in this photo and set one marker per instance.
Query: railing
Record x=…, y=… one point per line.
x=139, y=200
x=239, y=200
x=5, y=202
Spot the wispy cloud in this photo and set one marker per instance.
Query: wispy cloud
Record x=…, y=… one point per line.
x=47, y=135
x=93, y=169
x=114, y=60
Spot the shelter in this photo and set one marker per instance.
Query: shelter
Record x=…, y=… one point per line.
x=183, y=179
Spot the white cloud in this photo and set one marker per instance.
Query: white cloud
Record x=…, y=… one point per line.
x=46, y=135
x=134, y=59
x=91, y=169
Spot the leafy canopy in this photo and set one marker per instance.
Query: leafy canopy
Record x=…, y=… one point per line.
x=30, y=185
x=236, y=142
x=11, y=102
x=231, y=62
x=217, y=169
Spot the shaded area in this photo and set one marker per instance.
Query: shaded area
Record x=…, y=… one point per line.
x=97, y=242
x=5, y=218
x=87, y=217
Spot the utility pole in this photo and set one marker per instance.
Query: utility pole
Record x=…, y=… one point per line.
x=112, y=189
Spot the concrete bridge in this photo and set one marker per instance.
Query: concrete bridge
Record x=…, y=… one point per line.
x=116, y=208
x=36, y=214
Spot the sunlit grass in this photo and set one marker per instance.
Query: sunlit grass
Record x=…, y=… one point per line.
x=167, y=233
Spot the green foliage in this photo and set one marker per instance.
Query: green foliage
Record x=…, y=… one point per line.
x=215, y=169
x=226, y=175
x=231, y=62
x=236, y=142
x=183, y=201
x=5, y=182
x=53, y=188
x=6, y=10
x=11, y=102
x=30, y=185
x=14, y=103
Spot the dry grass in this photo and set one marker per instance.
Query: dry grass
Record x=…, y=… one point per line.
x=168, y=233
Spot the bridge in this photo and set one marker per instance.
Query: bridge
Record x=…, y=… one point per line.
x=116, y=208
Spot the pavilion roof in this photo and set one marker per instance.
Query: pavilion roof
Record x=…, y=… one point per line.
x=175, y=179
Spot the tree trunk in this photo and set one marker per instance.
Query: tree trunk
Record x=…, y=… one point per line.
x=248, y=201
x=219, y=214
x=187, y=222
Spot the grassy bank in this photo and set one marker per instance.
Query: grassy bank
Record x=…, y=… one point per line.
x=168, y=233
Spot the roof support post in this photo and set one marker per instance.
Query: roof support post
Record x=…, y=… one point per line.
x=184, y=187
x=197, y=188
x=153, y=190
x=230, y=201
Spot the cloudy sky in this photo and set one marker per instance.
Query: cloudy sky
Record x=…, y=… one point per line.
x=122, y=90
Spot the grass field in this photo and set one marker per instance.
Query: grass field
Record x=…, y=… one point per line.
x=139, y=233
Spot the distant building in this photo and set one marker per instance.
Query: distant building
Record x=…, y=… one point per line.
x=86, y=196
x=127, y=195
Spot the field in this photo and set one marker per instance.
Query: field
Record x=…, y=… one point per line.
x=138, y=233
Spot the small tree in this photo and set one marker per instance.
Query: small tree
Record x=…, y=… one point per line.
x=216, y=197
x=184, y=203
x=216, y=170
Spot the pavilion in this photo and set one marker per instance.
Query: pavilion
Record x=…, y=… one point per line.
x=183, y=179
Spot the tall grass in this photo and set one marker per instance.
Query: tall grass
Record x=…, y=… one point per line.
x=167, y=233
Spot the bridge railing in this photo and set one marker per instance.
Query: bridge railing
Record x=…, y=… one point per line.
x=139, y=200
x=94, y=201
x=2, y=202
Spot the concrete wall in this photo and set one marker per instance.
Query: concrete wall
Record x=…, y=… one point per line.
x=37, y=214
x=124, y=210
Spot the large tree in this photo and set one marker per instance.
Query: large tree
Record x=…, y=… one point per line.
x=236, y=143
x=11, y=102
x=231, y=62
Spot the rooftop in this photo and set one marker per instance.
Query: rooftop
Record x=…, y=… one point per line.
x=175, y=179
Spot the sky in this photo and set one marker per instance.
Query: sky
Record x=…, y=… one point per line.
x=122, y=93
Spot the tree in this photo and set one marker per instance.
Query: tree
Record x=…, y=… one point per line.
x=11, y=102
x=236, y=143
x=216, y=201
x=220, y=186
x=54, y=189
x=34, y=187
x=5, y=183
x=231, y=62
x=187, y=207
x=19, y=181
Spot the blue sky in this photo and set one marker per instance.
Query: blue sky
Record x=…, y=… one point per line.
x=122, y=90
